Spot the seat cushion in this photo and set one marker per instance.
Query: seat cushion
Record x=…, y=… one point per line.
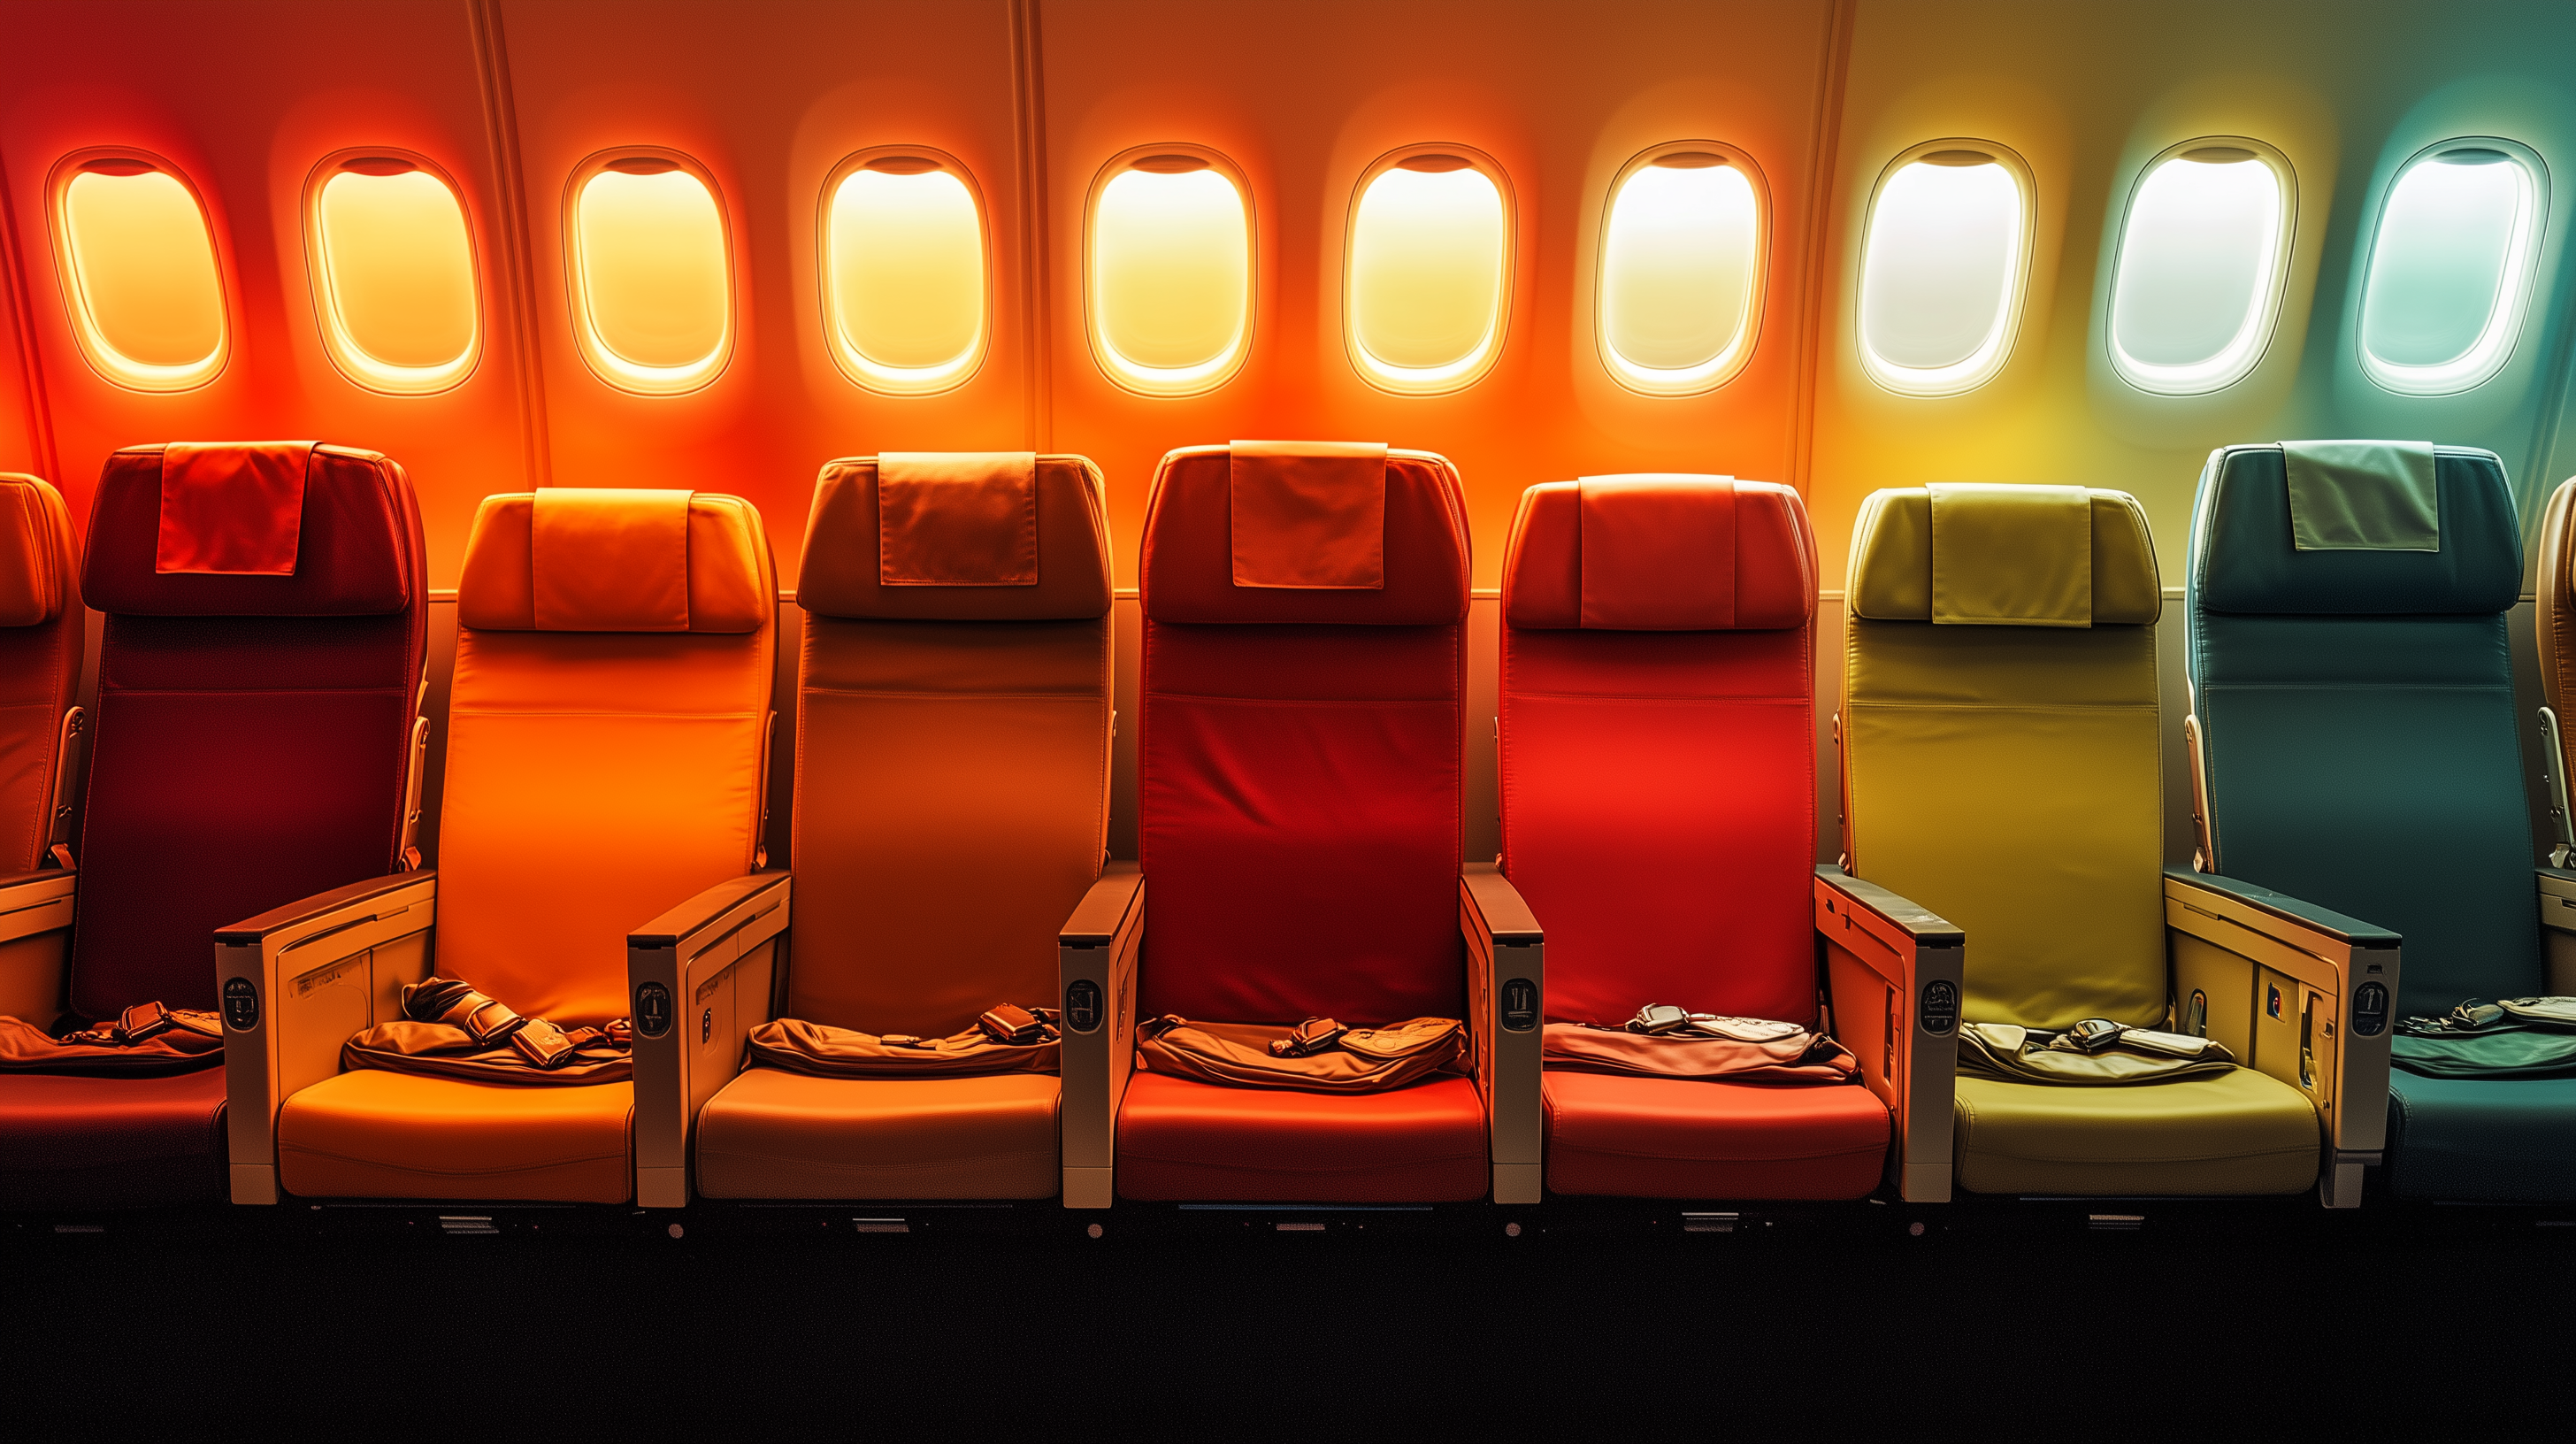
x=2242, y=1132
x=111, y=1142
x=2482, y=1140
x=373, y=1134
x=1678, y=1138
x=1180, y=1140
x=774, y=1134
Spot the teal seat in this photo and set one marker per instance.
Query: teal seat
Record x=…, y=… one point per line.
x=2356, y=746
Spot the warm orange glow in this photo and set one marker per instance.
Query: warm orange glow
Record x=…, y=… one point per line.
x=652, y=276
x=1429, y=275
x=1170, y=251
x=393, y=277
x=138, y=263
x=904, y=277
x=1681, y=273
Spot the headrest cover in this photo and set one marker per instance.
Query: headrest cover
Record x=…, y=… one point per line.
x=35, y=566
x=232, y=508
x=583, y=559
x=1187, y=574
x=2363, y=496
x=2011, y=561
x=2245, y=557
x=843, y=574
x=350, y=554
x=957, y=518
x=1309, y=514
x=1660, y=553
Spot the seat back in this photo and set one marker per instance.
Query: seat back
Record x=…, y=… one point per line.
x=1658, y=743
x=258, y=677
x=607, y=733
x=1298, y=808
x=2358, y=743
x=40, y=662
x=2001, y=762
x=952, y=736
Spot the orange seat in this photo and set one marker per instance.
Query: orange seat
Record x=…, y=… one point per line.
x=1683, y=1138
x=40, y=665
x=1179, y=1139
x=368, y=1134
x=776, y=1134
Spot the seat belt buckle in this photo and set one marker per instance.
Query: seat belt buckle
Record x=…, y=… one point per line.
x=1308, y=1038
x=542, y=1043
x=1657, y=1018
x=141, y=1022
x=1012, y=1024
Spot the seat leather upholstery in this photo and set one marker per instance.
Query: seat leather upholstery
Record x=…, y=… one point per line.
x=1658, y=814
x=1299, y=802
x=952, y=802
x=2361, y=751
x=40, y=662
x=594, y=779
x=2008, y=778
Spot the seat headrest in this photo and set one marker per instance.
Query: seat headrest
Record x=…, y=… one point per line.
x=1660, y=553
x=1193, y=545
x=956, y=522
x=2031, y=556
x=35, y=552
x=581, y=559
x=2245, y=557
x=252, y=529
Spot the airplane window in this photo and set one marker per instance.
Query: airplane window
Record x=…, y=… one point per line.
x=1169, y=262
x=2202, y=256
x=1428, y=287
x=146, y=299
x=652, y=277
x=903, y=274
x=393, y=276
x=1942, y=269
x=2451, y=267
x=1681, y=272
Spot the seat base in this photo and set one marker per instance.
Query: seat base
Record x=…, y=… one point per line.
x=771, y=1133
x=73, y=1142
x=374, y=1134
x=1683, y=1138
x=2482, y=1140
x=1184, y=1141
x=2240, y=1133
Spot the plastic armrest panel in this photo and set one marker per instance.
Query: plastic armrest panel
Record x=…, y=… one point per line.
x=36, y=902
x=1096, y=956
x=699, y=978
x=2295, y=912
x=1893, y=969
x=1507, y=1004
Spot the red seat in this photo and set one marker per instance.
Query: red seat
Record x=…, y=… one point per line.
x=1658, y=761
x=1180, y=1139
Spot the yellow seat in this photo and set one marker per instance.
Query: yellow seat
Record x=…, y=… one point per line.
x=2237, y=1133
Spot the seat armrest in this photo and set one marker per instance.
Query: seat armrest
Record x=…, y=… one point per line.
x=2307, y=996
x=35, y=943
x=1096, y=956
x=36, y=902
x=293, y=984
x=1506, y=1006
x=1893, y=969
x=699, y=978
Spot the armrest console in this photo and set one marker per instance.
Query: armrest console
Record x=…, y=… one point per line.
x=1506, y=1008
x=2321, y=992
x=699, y=978
x=294, y=983
x=36, y=902
x=1894, y=971
x=35, y=943
x=1096, y=954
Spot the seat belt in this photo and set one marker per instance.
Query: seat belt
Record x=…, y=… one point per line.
x=58, y=840
x=407, y=852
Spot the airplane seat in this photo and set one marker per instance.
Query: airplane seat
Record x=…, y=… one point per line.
x=1299, y=814
x=2354, y=710
x=606, y=751
x=259, y=669
x=1658, y=766
x=2002, y=764
x=40, y=668
x=952, y=806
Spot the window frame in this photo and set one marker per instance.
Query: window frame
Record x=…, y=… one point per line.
x=1968, y=375
x=1388, y=378
x=1726, y=366
x=612, y=369
x=1119, y=372
x=347, y=356
x=110, y=364
x=2263, y=326
x=2392, y=377
x=854, y=366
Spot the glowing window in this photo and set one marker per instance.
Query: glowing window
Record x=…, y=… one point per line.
x=393, y=275
x=904, y=290
x=2202, y=256
x=2451, y=267
x=1681, y=271
x=1169, y=261
x=652, y=273
x=140, y=280
x=1942, y=270
x=1428, y=287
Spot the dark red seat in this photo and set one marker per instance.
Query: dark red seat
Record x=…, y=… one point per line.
x=253, y=744
x=1658, y=759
